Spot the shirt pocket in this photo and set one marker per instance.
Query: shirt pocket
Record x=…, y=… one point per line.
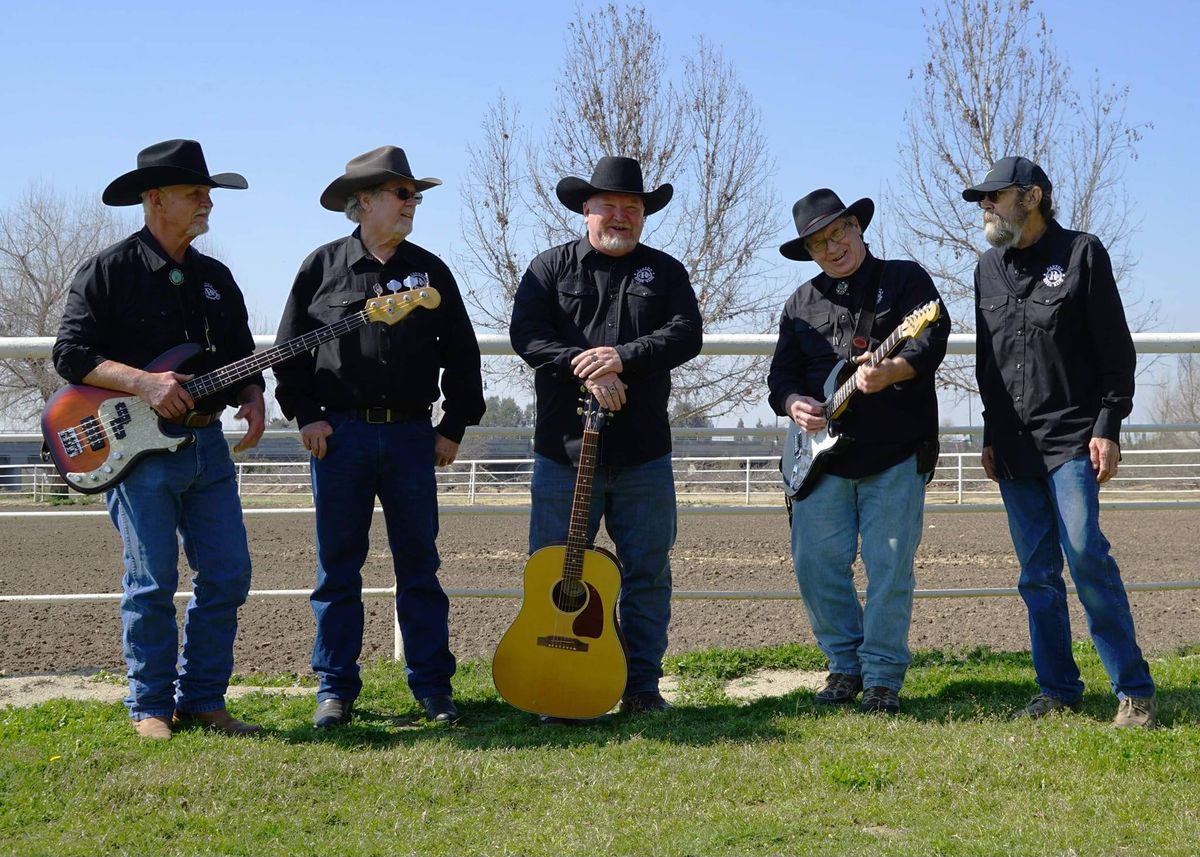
x=814, y=335
x=646, y=306
x=578, y=298
x=1047, y=308
x=334, y=306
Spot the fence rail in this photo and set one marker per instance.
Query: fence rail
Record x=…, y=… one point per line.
x=1149, y=474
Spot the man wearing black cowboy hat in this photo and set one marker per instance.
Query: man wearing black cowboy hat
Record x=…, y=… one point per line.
x=363, y=405
x=127, y=305
x=615, y=316
x=873, y=485
x=1055, y=365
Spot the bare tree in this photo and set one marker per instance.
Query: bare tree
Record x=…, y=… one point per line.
x=702, y=133
x=994, y=85
x=44, y=239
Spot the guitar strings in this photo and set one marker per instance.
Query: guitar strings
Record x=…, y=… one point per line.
x=207, y=384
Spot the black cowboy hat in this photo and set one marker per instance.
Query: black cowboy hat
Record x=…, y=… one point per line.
x=814, y=212
x=1007, y=172
x=167, y=163
x=612, y=175
x=369, y=169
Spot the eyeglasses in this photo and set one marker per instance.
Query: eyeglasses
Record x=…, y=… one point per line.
x=404, y=194
x=817, y=248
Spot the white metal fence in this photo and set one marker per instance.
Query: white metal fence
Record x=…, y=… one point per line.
x=1151, y=475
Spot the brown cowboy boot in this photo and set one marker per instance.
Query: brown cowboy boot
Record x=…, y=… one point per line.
x=153, y=728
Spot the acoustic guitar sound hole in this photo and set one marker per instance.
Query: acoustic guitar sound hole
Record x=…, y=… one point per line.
x=570, y=595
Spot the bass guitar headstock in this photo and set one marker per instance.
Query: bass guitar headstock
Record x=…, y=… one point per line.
x=391, y=308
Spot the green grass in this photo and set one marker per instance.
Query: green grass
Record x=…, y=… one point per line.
x=950, y=775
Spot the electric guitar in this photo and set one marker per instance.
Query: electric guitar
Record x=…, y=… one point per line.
x=96, y=436
x=801, y=463
x=564, y=656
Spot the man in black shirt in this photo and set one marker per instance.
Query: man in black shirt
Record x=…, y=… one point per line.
x=363, y=405
x=127, y=305
x=1055, y=365
x=615, y=316
x=874, y=483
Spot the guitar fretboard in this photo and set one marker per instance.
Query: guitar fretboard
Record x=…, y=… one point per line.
x=581, y=505
x=227, y=376
x=850, y=387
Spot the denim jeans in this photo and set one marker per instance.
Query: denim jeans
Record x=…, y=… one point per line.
x=638, y=507
x=394, y=462
x=1047, y=518
x=887, y=509
x=189, y=495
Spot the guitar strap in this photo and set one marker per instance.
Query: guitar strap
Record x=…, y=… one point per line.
x=861, y=341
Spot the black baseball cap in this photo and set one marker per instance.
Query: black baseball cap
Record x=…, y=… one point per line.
x=1007, y=172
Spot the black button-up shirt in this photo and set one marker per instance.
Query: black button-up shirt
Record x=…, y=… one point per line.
x=379, y=365
x=1055, y=360
x=131, y=302
x=816, y=330
x=573, y=298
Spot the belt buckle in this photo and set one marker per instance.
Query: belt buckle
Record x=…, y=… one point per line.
x=372, y=413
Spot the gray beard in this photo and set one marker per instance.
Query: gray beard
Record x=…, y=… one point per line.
x=1003, y=233
x=197, y=229
x=615, y=244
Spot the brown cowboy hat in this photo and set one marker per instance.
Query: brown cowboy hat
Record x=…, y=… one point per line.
x=814, y=212
x=612, y=175
x=163, y=164
x=369, y=169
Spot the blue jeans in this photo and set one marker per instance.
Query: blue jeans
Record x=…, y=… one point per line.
x=189, y=495
x=394, y=462
x=1048, y=517
x=638, y=507
x=887, y=509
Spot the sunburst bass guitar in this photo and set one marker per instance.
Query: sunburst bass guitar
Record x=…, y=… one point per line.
x=804, y=453
x=563, y=656
x=96, y=436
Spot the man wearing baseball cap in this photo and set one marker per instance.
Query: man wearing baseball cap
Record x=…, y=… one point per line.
x=1055, y=365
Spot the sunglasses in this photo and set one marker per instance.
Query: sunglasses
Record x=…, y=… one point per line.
x=404, y=194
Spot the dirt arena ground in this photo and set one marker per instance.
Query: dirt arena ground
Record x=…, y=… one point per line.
x=714, y=552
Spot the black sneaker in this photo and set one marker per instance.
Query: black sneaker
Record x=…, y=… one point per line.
x=644, y=702
x=880, y=700
x=839, y=688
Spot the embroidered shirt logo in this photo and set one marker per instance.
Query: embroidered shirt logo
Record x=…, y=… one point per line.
x=210, y=292
x=643, y=275
x=416, y=280
x=1054, y=276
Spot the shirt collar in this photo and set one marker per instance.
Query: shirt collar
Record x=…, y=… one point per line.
x=583, y=248
x=858, y=281
x=156, y=257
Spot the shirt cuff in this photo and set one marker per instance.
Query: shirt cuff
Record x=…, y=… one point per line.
x=452, y=428
x=1108, y=425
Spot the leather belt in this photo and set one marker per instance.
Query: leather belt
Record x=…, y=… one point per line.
x=195, y=420
x=392, y=415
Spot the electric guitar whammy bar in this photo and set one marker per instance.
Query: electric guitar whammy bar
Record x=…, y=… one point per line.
x=563, y=656
x=95, y=436
x=801, y=463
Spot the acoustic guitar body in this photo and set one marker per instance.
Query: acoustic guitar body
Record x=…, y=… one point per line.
x=563, y=655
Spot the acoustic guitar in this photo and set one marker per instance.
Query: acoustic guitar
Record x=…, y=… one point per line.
x=95, y=436
x=564, y=656
x=805, y=453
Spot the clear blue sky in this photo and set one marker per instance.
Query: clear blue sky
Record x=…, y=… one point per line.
x=286, y=93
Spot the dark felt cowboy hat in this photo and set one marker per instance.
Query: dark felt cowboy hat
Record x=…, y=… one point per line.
x=167, y=163
x=1007, y=172
x=814, y=212
x=367, y=170
x=612, y=175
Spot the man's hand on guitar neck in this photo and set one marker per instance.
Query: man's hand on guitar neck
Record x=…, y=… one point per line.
x=805, y=412
x=890, y=370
